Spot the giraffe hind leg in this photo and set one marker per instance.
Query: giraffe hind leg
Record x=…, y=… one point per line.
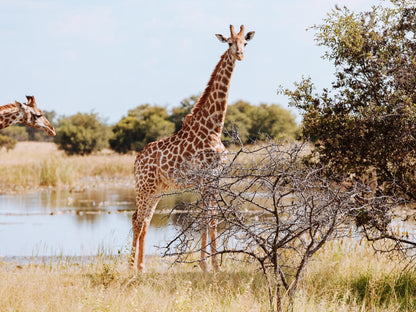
x=204, y=253
x=213, y=237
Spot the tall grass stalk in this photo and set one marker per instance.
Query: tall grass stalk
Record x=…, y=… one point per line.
x=32, y=165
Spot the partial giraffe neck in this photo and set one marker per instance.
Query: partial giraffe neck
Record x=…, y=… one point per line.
x=211, y=107
x=9, y=114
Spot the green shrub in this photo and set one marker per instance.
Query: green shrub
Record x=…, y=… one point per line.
x=253, y=123
x=142, y=125
x=81, y=134
x=7, y=142
x=16, y=132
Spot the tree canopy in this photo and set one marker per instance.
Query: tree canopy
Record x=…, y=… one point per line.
x=142, y=125
x=147, y=123
x=254, y=123
x=367, y=120
x=81, y=134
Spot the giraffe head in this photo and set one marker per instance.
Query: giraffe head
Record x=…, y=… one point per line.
x=237, y=41
x=32, y=116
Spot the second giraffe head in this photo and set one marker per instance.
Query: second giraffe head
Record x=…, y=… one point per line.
x=237, y=41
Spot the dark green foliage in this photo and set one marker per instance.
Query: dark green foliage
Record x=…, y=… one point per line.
x=367, y=121
x=238, y=121
x=16, y=132
x=142, y=125
x=81, y=134
x=148, y=123
x=262, y=122
x=7, y=142
x=179, y=113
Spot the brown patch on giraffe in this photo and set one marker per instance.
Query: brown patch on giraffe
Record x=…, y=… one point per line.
x=221, y=95
x=199, y=144
x=204, y=131
x=209, y=123
x=187, y=155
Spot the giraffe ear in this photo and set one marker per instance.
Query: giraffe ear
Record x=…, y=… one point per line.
x=250, y=35
x=18, y=103
x=31, y=100
x=221, y=38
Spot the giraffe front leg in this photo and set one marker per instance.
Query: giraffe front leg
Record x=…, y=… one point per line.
x=141, y=255
x=133, y=254
x=204, y=253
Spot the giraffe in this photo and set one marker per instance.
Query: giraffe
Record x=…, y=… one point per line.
x=28, y=114
x=199, y=141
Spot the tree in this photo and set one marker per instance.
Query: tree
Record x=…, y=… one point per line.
x=179, y=113
x=142, y=125
x=253, y=123
x=272, y=209
x=271, y=121
x=7, y=142
x=367, y=120
x=81, y=134
x=238, y=121
x=16, y=132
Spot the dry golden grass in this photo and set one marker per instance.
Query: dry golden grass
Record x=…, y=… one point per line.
x=32, y=165
x=345, y=276
x=112, y=286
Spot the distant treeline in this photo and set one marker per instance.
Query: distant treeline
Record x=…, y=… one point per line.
x=84, y=133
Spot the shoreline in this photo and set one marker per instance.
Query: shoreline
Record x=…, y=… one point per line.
x=37, y=166
x=81, y=186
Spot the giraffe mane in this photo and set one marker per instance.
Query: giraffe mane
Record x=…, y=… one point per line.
x=8, y=106
x=204, y=97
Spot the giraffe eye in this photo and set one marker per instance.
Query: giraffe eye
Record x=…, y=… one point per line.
x=38, y=115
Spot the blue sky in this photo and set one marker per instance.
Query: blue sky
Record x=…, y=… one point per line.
x=110, y=56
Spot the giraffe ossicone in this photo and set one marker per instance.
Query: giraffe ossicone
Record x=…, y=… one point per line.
x=26, y=113
x=199, y=140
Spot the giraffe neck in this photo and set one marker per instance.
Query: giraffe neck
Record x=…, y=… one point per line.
x=210, y=110
x=9, y=114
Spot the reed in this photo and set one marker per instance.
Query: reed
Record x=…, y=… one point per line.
x=33, y=165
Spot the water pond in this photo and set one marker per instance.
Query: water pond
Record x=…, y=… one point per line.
x=81, y=223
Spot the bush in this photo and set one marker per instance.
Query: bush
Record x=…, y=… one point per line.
x=142, y=125
x=81, y=134
x=261, y=122
x=16, y=132
x=7, y=142
x=179, y=113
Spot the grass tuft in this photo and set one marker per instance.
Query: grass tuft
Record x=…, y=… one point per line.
x=33, y=165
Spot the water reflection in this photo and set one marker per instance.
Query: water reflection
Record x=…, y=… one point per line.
x=77, y=223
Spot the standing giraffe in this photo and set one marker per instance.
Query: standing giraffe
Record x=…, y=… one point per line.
x=28, y=114
x=199, y=141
